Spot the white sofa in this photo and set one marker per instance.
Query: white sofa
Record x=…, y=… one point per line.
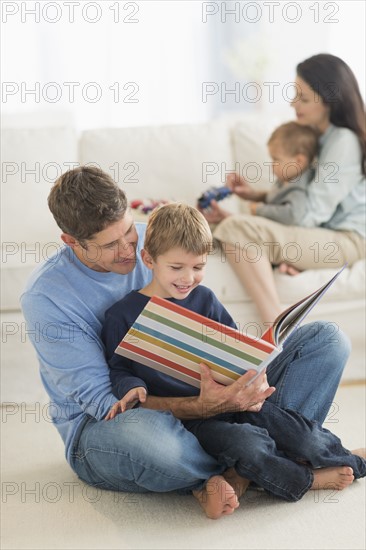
x=169, y=162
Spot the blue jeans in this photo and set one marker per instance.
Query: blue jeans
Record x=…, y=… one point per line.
x=141, y=450
x=308, y=371
x=144, y=450
x=275, y=448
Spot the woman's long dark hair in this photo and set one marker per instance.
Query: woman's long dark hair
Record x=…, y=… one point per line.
x=333, y=80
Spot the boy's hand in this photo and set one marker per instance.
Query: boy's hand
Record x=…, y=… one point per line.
x=127, y=402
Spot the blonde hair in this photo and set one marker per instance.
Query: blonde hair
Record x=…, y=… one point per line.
x=296, y=139
x=177, y=225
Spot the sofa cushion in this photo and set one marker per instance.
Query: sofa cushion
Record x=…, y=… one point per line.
x=20, y=381
x=349, y=286
x=32, y=158
x=174, y=162
x=31, y=161
x=18, y=260
x=249, y=139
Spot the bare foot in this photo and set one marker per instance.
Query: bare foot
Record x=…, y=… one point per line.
x=359, y=452
x=332, y=478
x=218, y=498
x=239, y=484
x=288, y=269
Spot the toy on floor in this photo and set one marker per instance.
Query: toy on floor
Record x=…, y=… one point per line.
x=147, y=205
x=216, y=193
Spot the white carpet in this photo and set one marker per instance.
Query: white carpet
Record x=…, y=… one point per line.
x=44, y=505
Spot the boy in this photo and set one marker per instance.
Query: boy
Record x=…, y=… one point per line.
x=279, y=450
x=292, y=148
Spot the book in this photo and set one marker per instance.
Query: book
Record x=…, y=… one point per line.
x=174, y=340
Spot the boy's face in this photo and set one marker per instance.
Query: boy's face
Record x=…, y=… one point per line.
x=111, y=250
x=285, y=167
x=176, y=273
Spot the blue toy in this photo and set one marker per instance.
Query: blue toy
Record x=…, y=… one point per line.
x=216, y=193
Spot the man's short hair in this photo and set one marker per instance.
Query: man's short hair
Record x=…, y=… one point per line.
x=177, y=225
x=296, y=139
x=86, y=200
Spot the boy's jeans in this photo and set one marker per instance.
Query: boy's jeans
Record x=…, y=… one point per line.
x=145, y=450
x=275, y=448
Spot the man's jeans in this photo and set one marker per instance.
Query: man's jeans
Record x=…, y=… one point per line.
x=275, y=448
x=145, y=450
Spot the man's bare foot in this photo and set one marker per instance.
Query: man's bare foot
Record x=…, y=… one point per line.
x=332, y=478
x=288, y=269
x=218, y=498
x=239, y=484
x=359, y=452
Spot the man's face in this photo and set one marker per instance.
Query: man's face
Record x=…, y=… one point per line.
x=111, y=250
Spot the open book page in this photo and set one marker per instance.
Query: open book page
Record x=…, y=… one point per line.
x=289, y=320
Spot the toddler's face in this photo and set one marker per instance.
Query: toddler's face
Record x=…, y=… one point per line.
x=285, y=167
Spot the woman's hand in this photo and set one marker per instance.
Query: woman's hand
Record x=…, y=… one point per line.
x=132, y=397
x=239, y=396
x=214, y=214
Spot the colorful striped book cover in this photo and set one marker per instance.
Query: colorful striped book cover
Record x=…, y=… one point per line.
x=175, y=340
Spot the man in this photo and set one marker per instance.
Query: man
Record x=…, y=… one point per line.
x=145, y=448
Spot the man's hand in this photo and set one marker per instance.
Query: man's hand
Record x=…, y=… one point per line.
x=127, y=402
x=263, y=388
x=215, y=398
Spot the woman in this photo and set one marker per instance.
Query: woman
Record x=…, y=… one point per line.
x=332, y=231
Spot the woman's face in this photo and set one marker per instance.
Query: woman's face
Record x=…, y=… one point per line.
x=309, y=107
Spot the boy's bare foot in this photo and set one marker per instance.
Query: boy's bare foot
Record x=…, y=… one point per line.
x=239, y=484
x=359, y=452
x=332, y=478
x=218, y=498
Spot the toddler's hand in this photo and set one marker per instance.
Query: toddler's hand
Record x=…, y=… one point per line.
x=238, y=185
